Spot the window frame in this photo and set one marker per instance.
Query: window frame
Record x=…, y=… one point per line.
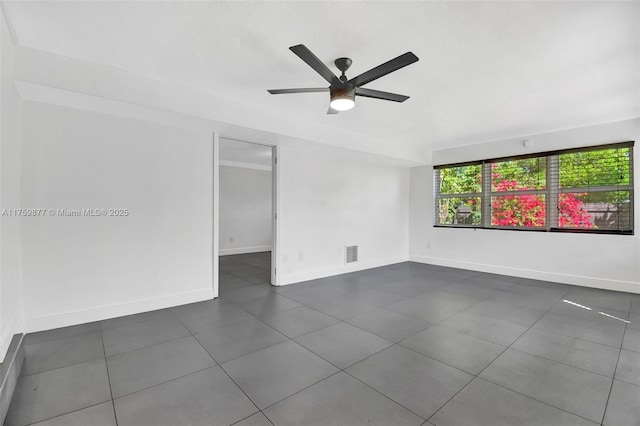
x=551, y=191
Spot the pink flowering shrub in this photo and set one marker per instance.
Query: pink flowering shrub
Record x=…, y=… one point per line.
x=529, y=210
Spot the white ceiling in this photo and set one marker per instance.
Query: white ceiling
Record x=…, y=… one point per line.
x=487, y=70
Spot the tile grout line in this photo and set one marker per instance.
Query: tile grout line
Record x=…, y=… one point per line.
x=397, y=343
x=528, y=396
x=113, y=404
x=225, y=371
x=80, y=363
x=164, y=382
x=68, y=412
x=340, y=370
x=615, y=370
x=308, y=305
x=106, y=356
x=393, y=343
x=537, y=400
x=494, y=360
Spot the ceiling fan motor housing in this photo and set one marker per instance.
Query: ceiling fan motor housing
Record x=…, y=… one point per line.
x=342, y=93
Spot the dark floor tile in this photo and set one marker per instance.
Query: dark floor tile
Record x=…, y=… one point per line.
x=531, y=301
x=606, y=299
x=485, y=328
x=628, y=368
x=44, y=395
x=340, y=400
x=298, y=321
x=231, y=282
x=173, y=380
x=60, y=333
x=237, y=339
x=585, y=325
x=578, y=391
x=343, y=344
x=506, y=312
x=634, y=321
x=138, y=335
x=245, y=294
x=344, y=309
x=416, y=382
x=205, y=316
x=247, y=270
x=52, y=354
x=136, y=318
x=434, y=307
x=275, y=373
x=462, y=351
x=135, y=370
x=582, y=354
x=372, y=296
x=631, y=340
x=205, y=398
x=261, y=278
x=412, y=287
x=97, y=415
x=257, y=419
x=482, y=403
x=307, y=293
x=540, y=289
x=623, y=408
x=496, y=282
x=268, y=304
x=389, y=325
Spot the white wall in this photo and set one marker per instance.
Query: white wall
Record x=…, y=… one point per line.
x=330, y=200
x=606, y=261
x=79, y=269
x=10, y=227
x=245, y=210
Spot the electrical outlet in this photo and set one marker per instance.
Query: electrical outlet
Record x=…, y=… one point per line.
x=230, y=239
x=300, y=256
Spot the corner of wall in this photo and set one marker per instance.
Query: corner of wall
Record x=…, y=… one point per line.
x=11, y=309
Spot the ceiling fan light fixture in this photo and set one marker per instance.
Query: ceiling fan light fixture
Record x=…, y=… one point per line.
x=342, y=99
x=342, y=103
x=342, y=91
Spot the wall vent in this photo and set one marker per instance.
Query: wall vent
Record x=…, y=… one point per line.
x=351, y=254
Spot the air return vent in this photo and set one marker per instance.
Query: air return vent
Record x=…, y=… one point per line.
x=351, y=254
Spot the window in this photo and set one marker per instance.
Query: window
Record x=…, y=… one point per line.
x=580, y=190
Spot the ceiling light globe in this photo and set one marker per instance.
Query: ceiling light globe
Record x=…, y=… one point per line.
x=342, y=103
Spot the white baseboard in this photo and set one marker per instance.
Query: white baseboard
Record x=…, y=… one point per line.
x=14, y=327
x=105, y=312
x=602, y=283
x=243, y=250
x=343, y=269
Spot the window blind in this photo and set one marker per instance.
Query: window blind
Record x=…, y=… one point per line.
x=577, y=190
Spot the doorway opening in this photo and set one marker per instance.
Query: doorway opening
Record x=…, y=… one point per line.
x=247, y=214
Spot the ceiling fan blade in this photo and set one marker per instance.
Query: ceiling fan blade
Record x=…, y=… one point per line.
x=304, y=90
x=384, y=69
x=332, y=111
x=377, y=94
x=312, y=60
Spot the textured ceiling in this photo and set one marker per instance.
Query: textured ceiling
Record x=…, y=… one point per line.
x=487, y=70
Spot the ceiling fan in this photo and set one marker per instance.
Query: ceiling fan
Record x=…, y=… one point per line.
x=342, y=92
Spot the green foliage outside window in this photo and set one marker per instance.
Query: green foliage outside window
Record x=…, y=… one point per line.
x=593, y=190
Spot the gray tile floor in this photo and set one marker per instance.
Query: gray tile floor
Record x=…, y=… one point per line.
x=406, y=344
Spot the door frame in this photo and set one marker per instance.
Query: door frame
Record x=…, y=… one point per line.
x=275, y=207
